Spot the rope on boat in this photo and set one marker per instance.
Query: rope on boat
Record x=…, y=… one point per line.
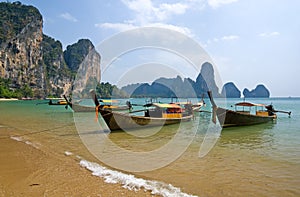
x=97, y=112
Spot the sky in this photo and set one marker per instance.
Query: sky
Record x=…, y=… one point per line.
x=250, y=41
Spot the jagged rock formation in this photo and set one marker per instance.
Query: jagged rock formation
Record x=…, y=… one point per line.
x=34, y=61
x=206, y=81
x=177, y=87
x=20, y=48
x=76, y=53
x=259, y=92
x=58, y=77
x=88, y=75
x=229, y=90
x=83, y=59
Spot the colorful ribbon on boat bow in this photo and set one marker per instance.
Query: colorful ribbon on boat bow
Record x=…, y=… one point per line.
x=97, y=112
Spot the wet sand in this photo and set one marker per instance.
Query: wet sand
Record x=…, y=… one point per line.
x=29, y=171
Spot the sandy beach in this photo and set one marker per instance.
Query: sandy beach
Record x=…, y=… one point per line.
x=10, y=99
x=26, y=170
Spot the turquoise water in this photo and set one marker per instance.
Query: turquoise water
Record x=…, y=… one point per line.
x=260, y=160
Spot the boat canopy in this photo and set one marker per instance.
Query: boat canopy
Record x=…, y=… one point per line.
x=164, y=105
x=108, y=101
x=183, y=103
x=247, y=104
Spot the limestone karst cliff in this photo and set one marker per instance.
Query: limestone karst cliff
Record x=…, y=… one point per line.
x=178, y=87
x=259, y=92
x=20, y=48
x=30, y=59
x=229, y=90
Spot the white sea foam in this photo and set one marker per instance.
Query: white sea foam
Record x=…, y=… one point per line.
x=130, y=182
x=78, y=157
x=67, y=153
x=19, y=139
x=37, y=146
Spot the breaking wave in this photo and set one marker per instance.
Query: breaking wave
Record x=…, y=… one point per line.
x=133, y=183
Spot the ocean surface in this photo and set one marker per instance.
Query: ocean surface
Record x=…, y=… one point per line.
x=260, y=160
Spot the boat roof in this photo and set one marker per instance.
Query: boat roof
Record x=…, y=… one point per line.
x=247, y=104
x=182, y=103
x=165, y=105
x=108, y=101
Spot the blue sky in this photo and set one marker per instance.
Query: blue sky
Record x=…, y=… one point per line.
x=251, y=41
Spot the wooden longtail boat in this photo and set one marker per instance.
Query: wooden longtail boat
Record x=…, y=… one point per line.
x=242, y=115
x=105, y=105
x=159, y=115
x=198, y=106
x=59, y=102
x=195, y=107
x=230, y=118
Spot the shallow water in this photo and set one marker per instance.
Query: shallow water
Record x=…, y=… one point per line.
x=260, y=160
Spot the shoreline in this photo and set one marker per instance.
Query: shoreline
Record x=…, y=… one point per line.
x=27, y=170
x=8, y=99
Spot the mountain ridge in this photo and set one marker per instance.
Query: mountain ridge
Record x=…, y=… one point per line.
x=177, y=87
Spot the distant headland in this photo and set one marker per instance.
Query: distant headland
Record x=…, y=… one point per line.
x=184, y=88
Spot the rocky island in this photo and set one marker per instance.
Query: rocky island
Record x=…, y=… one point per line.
x=259, y=92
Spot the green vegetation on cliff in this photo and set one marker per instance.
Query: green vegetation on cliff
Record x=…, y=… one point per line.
x=56, y=67
x=75, y=53
x=6, y=92
x=14, y=17
x=32, y=60
x=106, y=90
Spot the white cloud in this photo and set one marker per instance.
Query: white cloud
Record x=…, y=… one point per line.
x=183, y=30
x=269, y=34
x=127, y=26
x=148, y=14
x=217, y=3
x=68, y=17
x=117, y=26
x=224, y=38
x=230, y=37
x=216, y=39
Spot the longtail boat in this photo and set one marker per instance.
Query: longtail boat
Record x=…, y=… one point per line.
x=106, y=104
x=157, y=115
x=195, y=106
x=59, y=102
x=243, y=114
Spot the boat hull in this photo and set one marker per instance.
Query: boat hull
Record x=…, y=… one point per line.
x=122, y=121
x=229, y=118
x=84, y=108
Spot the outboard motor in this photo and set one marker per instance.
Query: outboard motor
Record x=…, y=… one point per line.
x=270, y=109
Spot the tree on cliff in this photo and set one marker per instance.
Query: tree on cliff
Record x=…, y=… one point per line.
x=32, y=60
x=14, y=17
x=75, y=53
